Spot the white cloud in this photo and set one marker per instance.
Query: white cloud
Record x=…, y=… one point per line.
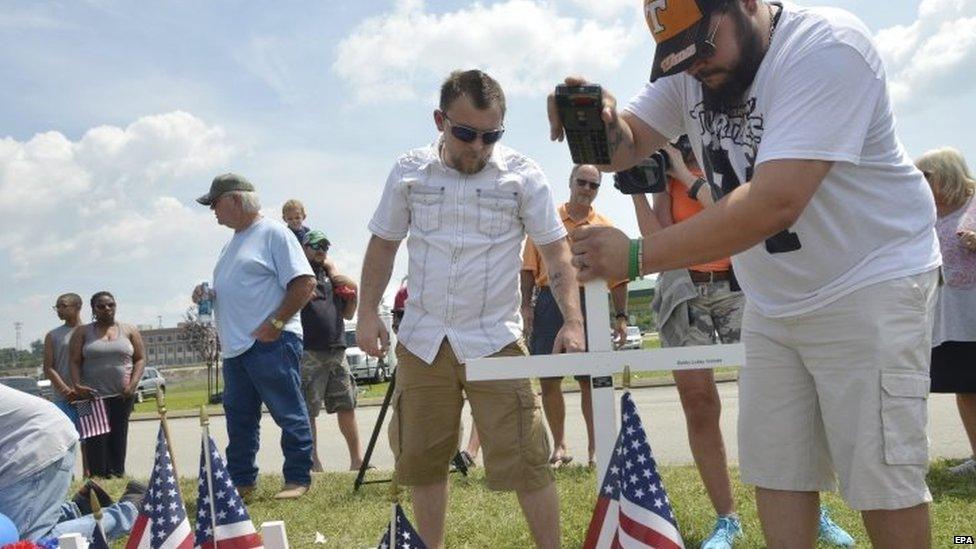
x=108, y=164
x=101, y=212
x=107, y=196
x=608, y=9
x=526, y=45
x=933, y=57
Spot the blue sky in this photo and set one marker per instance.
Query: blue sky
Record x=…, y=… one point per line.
x=115, y=115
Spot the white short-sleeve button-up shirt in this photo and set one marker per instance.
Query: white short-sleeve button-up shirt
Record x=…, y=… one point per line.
x=464, y=238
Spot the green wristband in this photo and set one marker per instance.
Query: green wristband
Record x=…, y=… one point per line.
x=640, y=258
x=633, y=270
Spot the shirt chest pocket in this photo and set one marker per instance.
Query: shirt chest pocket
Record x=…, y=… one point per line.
x=426, y=207
x=497, y=211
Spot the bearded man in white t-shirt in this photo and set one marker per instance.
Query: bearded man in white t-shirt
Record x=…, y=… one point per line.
x=830, y=229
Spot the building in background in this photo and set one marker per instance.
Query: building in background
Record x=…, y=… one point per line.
x=166, y=347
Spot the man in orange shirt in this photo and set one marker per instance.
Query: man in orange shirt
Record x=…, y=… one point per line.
x=541, y=317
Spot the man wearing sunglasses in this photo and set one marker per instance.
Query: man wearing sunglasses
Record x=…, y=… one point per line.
x=57, y=366
x=326, y=379
x=465, y=203
x=542, y=318
x=830, y=229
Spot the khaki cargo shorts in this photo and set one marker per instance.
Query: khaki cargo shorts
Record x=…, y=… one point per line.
x=841, y=390
x=425, y=426
x=326, y=380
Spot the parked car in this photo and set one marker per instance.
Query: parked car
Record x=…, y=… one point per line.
x=152, y=382
x=634, y=339
x=364, y=368
x=44, y=386
x=22, y=383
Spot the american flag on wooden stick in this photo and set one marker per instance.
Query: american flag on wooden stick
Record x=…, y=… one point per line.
x=92, y=417
x=632, y=510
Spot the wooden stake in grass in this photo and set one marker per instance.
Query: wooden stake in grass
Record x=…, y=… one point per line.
x=394, y=503
x=161, y=410
x=205, y=446
x=95, y=505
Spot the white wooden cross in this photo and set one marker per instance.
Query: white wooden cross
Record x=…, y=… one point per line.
x=600, y=363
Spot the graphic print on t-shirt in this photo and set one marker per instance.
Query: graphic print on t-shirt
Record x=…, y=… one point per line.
x=730, y=139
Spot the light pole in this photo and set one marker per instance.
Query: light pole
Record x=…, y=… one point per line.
x=18, y=326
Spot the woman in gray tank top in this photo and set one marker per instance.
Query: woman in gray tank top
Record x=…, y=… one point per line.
x=107, y=360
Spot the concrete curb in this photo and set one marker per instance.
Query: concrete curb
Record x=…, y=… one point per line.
x=721, y=377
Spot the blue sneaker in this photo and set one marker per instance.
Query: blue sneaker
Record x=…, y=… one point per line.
x=727, y=529
x=831, y=533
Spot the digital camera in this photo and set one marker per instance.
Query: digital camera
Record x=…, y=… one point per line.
x=651, y=174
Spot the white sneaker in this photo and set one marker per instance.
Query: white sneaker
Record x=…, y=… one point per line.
x=964, y=469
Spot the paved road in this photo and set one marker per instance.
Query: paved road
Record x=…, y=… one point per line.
x=659, y=409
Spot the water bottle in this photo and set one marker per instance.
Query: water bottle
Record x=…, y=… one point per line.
x=205, y=306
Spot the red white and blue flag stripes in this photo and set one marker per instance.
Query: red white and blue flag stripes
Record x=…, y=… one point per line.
x=632, y=510
x=92, y=418
x=222, y=517
x=162, y=521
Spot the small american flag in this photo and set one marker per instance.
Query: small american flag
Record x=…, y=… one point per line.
x=162, y=522
x=632, y=509
x=99, y=541
x=92, y=417
x=234, y=529
x=406, y=536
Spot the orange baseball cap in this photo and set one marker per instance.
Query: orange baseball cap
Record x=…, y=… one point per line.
x=678, y=28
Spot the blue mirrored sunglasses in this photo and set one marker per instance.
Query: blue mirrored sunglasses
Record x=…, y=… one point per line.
x=468, y=135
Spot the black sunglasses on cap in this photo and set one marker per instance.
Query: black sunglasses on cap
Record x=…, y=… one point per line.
x=322, y=246
x=468, y=135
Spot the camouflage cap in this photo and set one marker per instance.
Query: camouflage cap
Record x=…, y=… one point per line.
x=225, y=183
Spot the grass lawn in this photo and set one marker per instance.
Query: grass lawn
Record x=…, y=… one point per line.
x=185, y=395
x=480, y=518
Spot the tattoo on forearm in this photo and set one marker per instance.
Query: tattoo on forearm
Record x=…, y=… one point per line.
x=556, y=281
x=615, y=137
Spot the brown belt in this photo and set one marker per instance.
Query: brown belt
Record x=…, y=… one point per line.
x=709, y=276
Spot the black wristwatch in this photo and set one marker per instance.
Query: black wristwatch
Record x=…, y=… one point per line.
x=693, y=191
x=622, y=315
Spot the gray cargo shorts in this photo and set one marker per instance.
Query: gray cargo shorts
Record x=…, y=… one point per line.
x=326, y=380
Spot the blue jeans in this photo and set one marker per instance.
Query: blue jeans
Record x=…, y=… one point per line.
x=34, y=503
x=268, y=373
x=117, y=521
x=68, y=409
x=36, y=506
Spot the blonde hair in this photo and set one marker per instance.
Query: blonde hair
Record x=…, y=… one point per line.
x=292, y=205
x=956, y=184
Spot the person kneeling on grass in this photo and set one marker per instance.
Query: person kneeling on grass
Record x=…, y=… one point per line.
x=39, y=444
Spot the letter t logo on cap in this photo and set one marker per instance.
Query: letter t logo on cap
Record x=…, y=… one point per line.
x=650, y=11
